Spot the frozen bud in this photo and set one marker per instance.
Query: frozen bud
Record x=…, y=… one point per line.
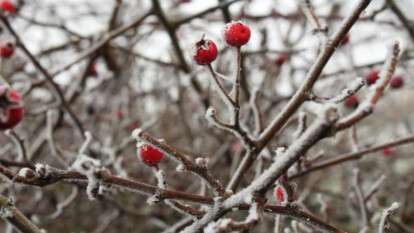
x=153, y=200
x=27, y=173
x=42, y=170
x=202, y=162
x=180, y=168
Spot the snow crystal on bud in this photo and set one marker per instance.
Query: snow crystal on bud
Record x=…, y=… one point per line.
x=202, y=162
x=180, y=168
x=394, y=206
x=26, y=173
x=136, y=133
x=153, y=200
x=42, y=170
x=210, y=112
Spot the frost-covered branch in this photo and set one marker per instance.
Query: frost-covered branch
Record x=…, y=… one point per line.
x=16, y=218
x=183, y=158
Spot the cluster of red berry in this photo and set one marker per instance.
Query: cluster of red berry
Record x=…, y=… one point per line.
x=236, y=34
x=11, y=107
x=371, y=78
x=7, y=48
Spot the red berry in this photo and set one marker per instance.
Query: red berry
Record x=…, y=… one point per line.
x=6, y=49
x=7, y=6
x=237, y=34
x=372, y=76
x=92, y=70
x=150, y=155
x=280, y=193
x=205, y=52
x=345, y=40
x=397, y=82
x=282, y=59
x=352, y=101
x=388, y=151
x=11, y=108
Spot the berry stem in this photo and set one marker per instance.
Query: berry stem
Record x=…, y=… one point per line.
x=236, y=88
x=226, y=98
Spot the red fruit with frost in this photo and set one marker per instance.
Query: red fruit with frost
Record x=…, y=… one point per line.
x=237, y=34
x=7, y=6
x=6, y=49
x=352, y=101
x=205, y=52
x=388, y=151
x=150, y=155
x=11, y=108
x=282, y=59
x=372, y=77
x=396, y=82
x=280, y=194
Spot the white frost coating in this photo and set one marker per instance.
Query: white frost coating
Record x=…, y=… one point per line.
x=26, y=173
x=248, y=199
x=202, y=162
x=152, y=200
x=222, y=76
x=88, y=167
x=352, y=89
x=136, y=133
x=224, y=223
x=118, y=167
x=42, y=170
x=387, y=212
x=253, y=213
x=159, y=174
x=5, y=212
x=208, y=217
x=180, y=168
x=280, y=150
x=212, y=119
x=85, y=145
x=211, y=228
x=287, y=159
x=224, y=97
